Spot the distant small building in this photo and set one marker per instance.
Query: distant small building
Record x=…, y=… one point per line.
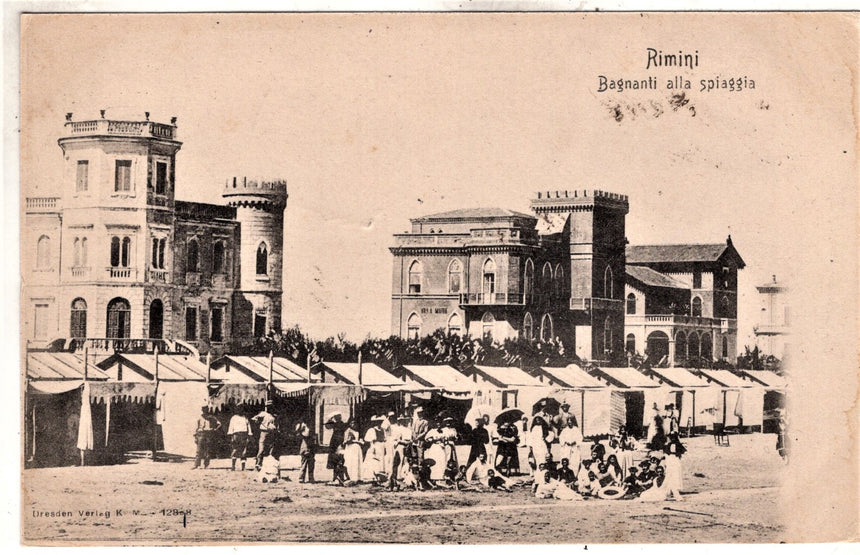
x=772, y=331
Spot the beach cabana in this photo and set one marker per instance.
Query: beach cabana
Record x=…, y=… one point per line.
x=589, y=399
x=743, y=398
x=632, y=392
x=255, y=369
x=498, y=386
x=774, y=397
x=694, y=397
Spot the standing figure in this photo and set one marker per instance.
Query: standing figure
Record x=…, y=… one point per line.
x=352, y=452
x=478, y=439
x=307, y=451
x=673, y=481
x=207, y=425
x=268, y=432
x=335, y=459
x=570, y=440
x=374, y=459
x=239, y=431
x=491, y=446
x=401, y=438
x=654, y=422
x=507, y=458
x=420, y=427
x=540, y=430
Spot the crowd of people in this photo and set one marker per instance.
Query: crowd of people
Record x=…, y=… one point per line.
x=407, y=451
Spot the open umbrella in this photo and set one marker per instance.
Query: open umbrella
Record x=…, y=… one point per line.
x=508, y=416
x=479, y=411
x=549, y=405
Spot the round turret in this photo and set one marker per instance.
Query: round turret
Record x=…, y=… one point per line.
x=265, y=194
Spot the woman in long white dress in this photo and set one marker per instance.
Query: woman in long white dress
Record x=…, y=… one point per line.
x=674, y=473
x=374, y=459
x=436, y=451
x=352, y=452
x=537, y=435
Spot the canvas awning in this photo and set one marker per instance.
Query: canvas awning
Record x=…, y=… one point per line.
x=443, y=377
x=725, y=378
x=256, y=368
x=43, y=365
x=677, y=377
x=170, y=367
x=571, y=376
x=504, y=376
x=125, y=391
x=770, y=380
x=624, y=377
x=371, y=374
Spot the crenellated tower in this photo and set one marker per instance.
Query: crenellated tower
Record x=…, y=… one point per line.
x=260, y=205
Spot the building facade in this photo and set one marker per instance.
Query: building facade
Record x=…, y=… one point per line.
x=681, y=303
x=115, y=256
x=772, y=330
x=555, y=275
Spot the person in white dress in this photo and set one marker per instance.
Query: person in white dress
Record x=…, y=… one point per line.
x=374, y=459
x=674, y=473
x=537, y=438
x=352, y=452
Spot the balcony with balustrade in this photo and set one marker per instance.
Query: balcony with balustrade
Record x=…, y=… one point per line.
x=42, y=205
x=491, y=299
x=106, y=127
x=722, y=325
x=158, y=275
x=120, y=273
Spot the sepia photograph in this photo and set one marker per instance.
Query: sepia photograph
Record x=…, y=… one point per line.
x=438, y=278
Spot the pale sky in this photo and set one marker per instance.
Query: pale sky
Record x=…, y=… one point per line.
x=376, y=118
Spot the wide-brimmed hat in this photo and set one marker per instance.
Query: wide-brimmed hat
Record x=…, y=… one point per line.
x=334, y=418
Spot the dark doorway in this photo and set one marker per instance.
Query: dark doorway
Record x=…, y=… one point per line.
x=156, y=319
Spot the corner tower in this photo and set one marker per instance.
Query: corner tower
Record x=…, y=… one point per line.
x=594, y=232
x=260, y=205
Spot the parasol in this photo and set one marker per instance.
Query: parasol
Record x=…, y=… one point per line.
x=550, y=405
x=508, y=416
x=479, y=411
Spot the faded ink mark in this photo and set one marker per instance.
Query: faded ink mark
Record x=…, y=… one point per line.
x=763, y=106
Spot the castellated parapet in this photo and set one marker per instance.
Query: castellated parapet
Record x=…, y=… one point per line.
x=251, y=192
x=577, y=200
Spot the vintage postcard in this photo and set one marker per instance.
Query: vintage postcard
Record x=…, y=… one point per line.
x=438, y=278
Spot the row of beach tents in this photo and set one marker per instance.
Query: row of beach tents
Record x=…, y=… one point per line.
x=128, y=401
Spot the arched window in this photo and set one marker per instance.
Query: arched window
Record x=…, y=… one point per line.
x=455, y=325
x=416, y=276
x=680, y=348
x=707, y=347
x=529, y=282
x=697, y=306
x=413, y=326
x=455, y=276
x=631, y=304
x=725, y=347
x=192, y=259
x=158, y=252
x=528, y=327
x=118, y=319
x=78, y=320
x=630, y=344
x=546, y=331
x=43, y=252
x=488, y=323
x=693, y=347
x=546, y=280
x=114, y=252
x=156, y=319
x=559, y=281
x=125, y=254
x=608, y=338
x=488, y=284
x=608, y=284
x=262, y=260
x=218, y=257
x=725, y=307
x=84, y=251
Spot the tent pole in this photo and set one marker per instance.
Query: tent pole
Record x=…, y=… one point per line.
x=359, y=367
x=86, y=363
x=155, y=411
x=208, y=367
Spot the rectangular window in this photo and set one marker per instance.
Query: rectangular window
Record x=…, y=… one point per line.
x=160, y=178
x=191, y=323
x=40, y=321
x=217, y=322
x=155, y=252
x=82, y=180
x=260, y=324
x=122, y=182
x=697, y=280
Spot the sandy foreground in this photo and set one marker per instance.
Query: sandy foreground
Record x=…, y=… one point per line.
x=731, y=495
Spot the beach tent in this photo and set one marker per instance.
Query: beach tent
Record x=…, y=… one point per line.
x=632, y=392
x=774, y=397
x=695, y=396
x=498, y=386
x=589, y=399
x=743, y=398
x=445, y=378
